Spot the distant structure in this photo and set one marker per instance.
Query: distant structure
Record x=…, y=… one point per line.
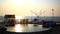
x=9, y=20
x=37, y=14
x=37, y=19
x=24, y=21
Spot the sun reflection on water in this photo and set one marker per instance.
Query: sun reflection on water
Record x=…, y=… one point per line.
x=18, y=28
x=26, y=28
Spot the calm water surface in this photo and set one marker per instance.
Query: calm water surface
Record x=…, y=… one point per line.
x=26, y=28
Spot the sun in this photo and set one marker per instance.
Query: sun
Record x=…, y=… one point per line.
x=18, y=2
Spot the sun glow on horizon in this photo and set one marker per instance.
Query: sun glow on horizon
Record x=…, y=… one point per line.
x=18, y=18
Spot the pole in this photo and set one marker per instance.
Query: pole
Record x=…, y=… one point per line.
x=53, y=14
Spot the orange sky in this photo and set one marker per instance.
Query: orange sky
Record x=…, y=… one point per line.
x=24, y=7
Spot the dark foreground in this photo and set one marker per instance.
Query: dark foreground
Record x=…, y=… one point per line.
x=54, y=30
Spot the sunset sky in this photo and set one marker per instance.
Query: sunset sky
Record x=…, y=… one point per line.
x=24, y=7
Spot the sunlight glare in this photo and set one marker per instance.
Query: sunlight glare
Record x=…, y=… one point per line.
x=18, y=28
x=18, y=18
x=18, y=2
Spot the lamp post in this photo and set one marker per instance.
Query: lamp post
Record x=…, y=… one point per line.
x=53, y=14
